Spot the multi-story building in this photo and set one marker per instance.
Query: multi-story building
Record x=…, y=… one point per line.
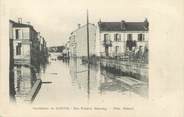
x=25, y=43
x=72, y=46
x=78, y=41
x=115, y=38
x=25, y=57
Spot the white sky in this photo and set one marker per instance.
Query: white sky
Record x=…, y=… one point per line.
x=56, y=19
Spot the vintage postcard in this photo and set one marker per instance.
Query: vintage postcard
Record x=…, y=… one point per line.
x=91, y=58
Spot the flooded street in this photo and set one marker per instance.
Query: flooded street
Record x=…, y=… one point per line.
x=71, y=82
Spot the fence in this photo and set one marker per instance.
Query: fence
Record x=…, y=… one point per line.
x=137, y=57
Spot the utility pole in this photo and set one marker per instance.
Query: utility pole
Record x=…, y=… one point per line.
x=88, y=36
x=88, y=57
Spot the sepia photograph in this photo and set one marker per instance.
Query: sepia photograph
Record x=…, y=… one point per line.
x=89, y=59
x=91, y=56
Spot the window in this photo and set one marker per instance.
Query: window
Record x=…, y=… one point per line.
x=17, y=33
x=129, y=42
x=18, y=49
x=117, y=49
x=107, y=41
x=129, y=36
x=117, y=37
x=106, y=37
x=140, y=37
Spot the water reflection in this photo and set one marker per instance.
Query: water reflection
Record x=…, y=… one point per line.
x=74, y=78
x=97, y=81
x=74, y=82
x=24, y=78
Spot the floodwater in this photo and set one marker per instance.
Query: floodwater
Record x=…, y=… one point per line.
x=24, y=79
x=71, y=82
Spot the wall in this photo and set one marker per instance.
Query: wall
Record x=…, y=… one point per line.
x=11, y=71
x=80, y=37
x=133, y=69
x=23, y=33
x=24, y=40
x=72, y=45
x=35, y=49
x=25, y=51
x=122, y=43
x=10, y=30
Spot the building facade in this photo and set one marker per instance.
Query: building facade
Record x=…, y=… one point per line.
x=25, y=43
x=78, y=41
x=27, y=50
x=29, y=47
x=11, y=65
x=116, y=38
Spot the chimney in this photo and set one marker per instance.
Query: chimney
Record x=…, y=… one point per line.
x=146, y=23
x=123, y=25
x=20, y=20
x=99, y=23
x=79, y=25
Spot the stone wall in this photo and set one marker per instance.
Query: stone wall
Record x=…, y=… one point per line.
x=134, y=69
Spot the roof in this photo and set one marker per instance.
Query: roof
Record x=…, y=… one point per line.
x=124, y=26
x=83, y=27
x=15, y=24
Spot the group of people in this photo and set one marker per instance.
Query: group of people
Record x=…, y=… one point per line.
x=136, y=53
x=139, y=54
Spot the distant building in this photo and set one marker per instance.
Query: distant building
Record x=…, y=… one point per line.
x=115, y=38
x=66, y=51
x=43, y=50
x=78, y=41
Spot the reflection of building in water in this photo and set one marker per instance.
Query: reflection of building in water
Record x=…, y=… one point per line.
x=24, y=80
x=73, y=68
x=101, y=81
x=79, y=75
